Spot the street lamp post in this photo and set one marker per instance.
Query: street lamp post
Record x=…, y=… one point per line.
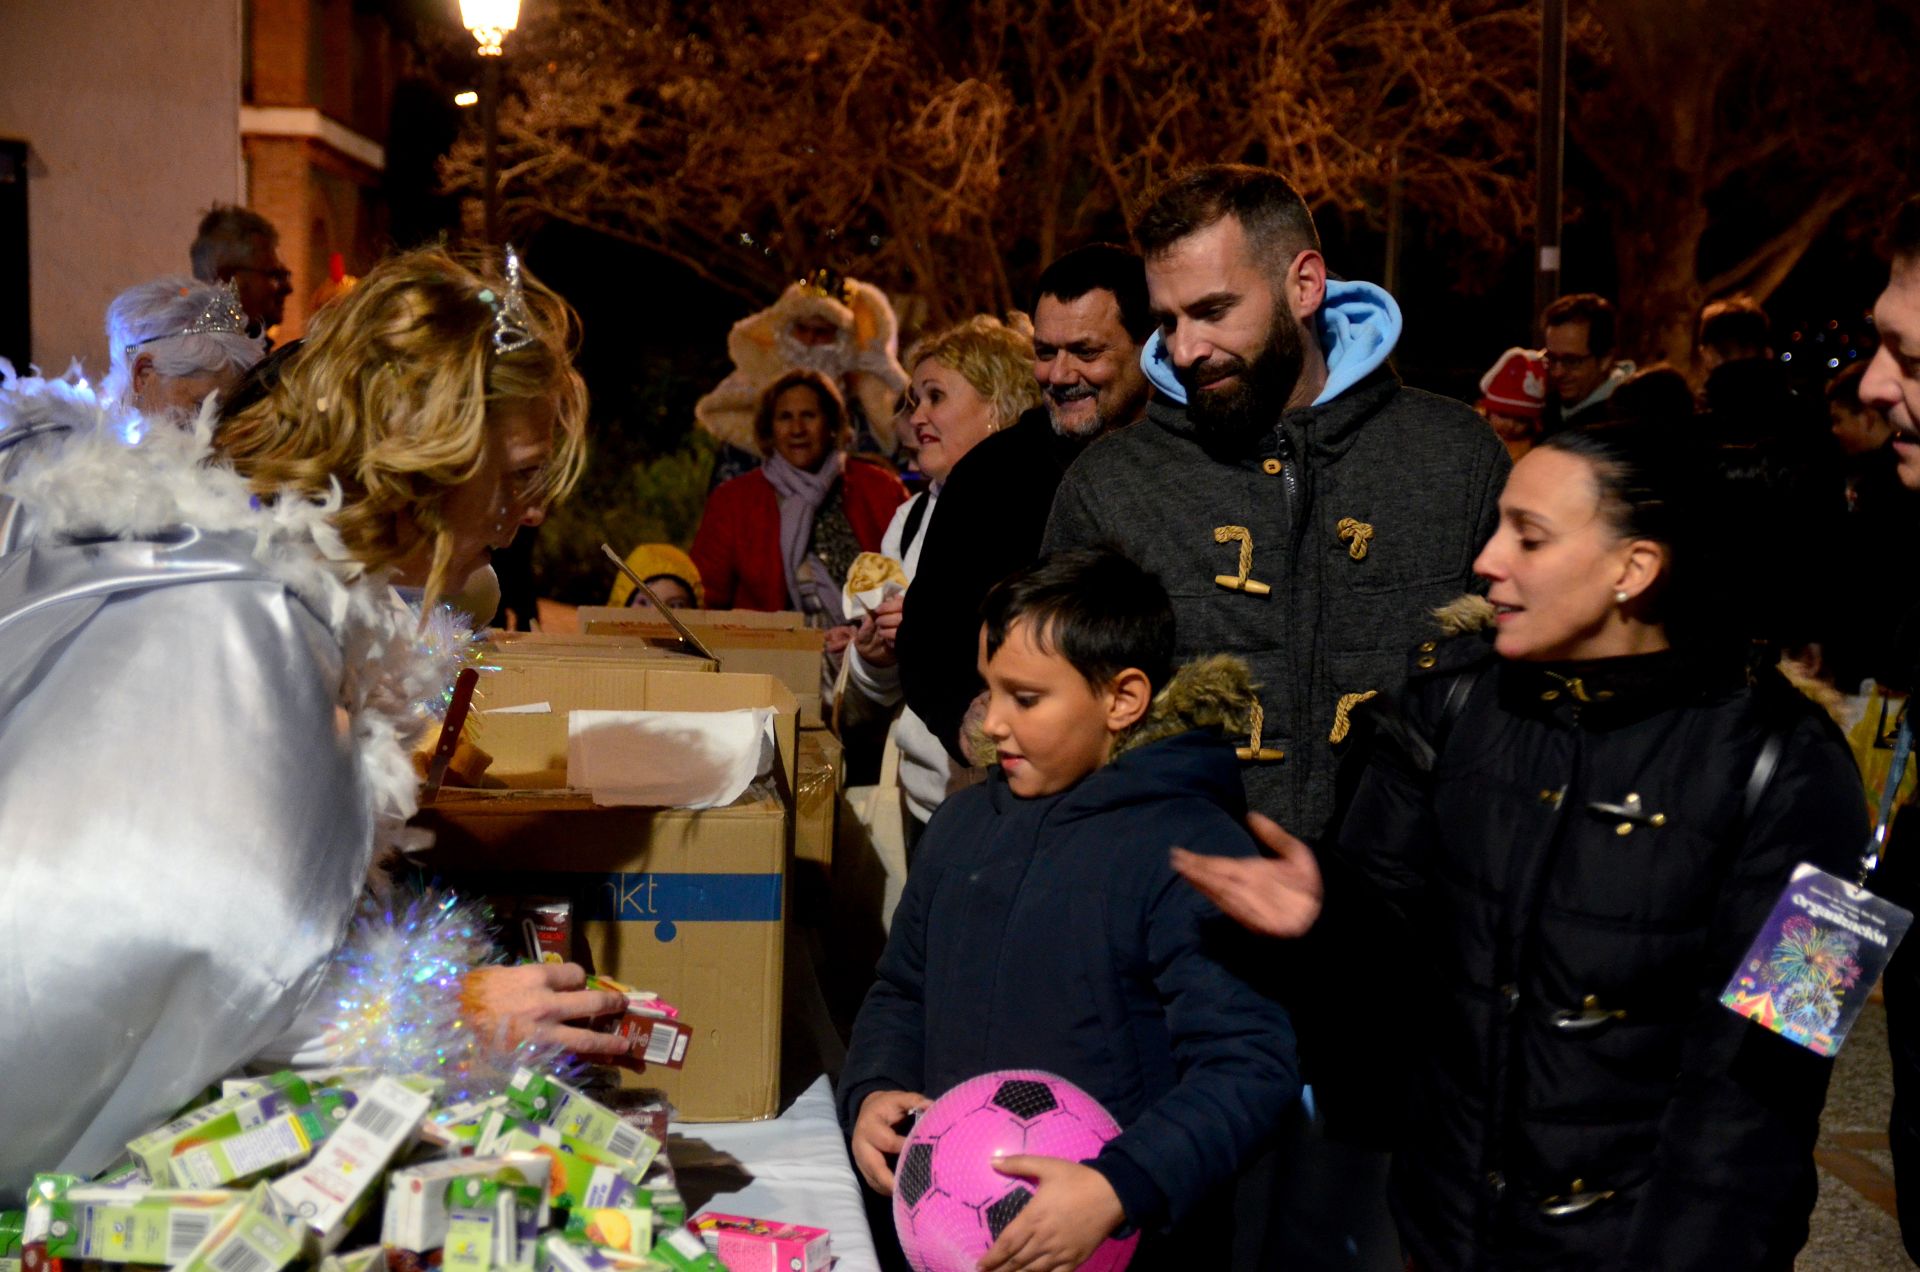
x=490, y=21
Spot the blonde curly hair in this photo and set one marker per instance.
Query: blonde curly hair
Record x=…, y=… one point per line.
x=391, y=394
x=994, y=357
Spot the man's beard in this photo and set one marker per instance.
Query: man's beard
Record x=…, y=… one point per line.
x=1085, y=427
x=1234, y=419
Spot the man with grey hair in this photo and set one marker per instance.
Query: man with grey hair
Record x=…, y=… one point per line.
x=174, y=341
x=240, y=246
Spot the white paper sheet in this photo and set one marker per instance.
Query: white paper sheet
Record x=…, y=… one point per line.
x=668, y=759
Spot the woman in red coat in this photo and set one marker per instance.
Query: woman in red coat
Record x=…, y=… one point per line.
x=783, y=536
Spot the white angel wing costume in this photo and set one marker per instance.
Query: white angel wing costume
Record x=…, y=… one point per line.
x=201, y=722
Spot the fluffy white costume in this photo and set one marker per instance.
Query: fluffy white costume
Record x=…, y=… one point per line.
x=864, y=358
x=205, y=714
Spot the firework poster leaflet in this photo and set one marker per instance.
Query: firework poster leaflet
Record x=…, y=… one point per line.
x=1807, y=974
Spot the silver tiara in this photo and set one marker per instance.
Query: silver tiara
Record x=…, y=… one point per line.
x=510, y=321
x=221, y=315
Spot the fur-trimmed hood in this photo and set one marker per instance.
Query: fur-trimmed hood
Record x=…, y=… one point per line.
x=1215, y=693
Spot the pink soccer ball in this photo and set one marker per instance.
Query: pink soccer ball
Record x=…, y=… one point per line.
x=950, y=1204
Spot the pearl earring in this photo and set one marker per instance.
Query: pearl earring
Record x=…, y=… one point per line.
x=1620, y=598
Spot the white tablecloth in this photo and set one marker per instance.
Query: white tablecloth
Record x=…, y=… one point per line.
x=794, y=1168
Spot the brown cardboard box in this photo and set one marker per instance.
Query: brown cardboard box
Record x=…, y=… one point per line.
x=667, y=652
x=816, y=795
x=691, y=905
x=778, y=644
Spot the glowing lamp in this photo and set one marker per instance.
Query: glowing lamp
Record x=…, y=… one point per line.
x=490, y=21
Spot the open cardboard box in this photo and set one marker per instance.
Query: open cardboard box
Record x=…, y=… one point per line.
x=691, y=905
x=775, y=644
x=659, y=646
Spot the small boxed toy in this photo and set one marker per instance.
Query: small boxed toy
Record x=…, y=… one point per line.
x=760, y=1245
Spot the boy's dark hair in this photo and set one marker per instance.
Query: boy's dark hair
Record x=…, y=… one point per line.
x=1092, y=606
x=1591, y=308
x=1102, y=267
x=1270, y=211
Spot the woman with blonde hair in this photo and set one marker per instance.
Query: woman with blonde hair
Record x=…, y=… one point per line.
x=208, y=689
x=968, y=381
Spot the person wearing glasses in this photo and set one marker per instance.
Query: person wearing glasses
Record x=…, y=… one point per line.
x=1582, y=371
x=240, y=246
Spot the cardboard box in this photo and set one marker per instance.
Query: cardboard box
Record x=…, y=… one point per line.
x=691, y=905
x=667, y=651
x=746, y=641
x=821, y=774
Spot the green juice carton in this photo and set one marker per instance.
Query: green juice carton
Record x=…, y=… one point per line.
x=683, y=1251
x=272, y=1146
x=558, y=1254
x=551, y=1102
x=490, y=1226
x=628, y=1229
x=121, y=1225
x=153, y=1152
x=416, y=1214
x=366, y=1259
x=583, y=1175
x=253, y=1237
x=342, y=1180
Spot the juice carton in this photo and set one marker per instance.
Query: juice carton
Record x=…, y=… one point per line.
x=119, y=1225
x=230, y=1115
x=551, y=1102
x=490, y=1225
x=582, y=1175
x=335, y=1188
x=252, y=1237
x=625, y=1228
x=417, y=1215
x=272, y=1146
x=683, y=1251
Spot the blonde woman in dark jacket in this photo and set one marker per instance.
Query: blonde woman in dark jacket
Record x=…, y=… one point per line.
x=1559, y=849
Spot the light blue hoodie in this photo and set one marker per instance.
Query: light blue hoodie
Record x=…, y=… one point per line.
x=1359, y=326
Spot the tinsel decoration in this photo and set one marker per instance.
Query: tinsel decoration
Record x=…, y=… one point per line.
x=398, y=1005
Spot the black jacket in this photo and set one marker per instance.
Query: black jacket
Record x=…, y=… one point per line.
x=1364, y=514
x=987, y=524
x=1577, y=880
x=1051, y=933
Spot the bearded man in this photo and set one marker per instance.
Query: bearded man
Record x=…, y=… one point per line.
x=1306, y=512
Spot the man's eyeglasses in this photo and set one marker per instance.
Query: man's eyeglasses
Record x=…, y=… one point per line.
x=1568, y=359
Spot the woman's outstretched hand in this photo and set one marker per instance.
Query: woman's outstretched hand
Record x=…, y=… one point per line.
x=1274, y=896
x=533, y=1002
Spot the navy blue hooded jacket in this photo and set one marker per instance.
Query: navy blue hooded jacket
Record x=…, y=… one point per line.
x=1051, y=933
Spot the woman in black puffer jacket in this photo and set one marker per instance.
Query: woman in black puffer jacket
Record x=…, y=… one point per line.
x=1558, y=851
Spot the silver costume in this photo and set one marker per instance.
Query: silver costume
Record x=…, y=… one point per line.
x=191, y=775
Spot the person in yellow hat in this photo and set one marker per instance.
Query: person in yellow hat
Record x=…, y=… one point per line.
x=671, y=573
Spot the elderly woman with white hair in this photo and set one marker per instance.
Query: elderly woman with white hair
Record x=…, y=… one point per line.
x=173, y=342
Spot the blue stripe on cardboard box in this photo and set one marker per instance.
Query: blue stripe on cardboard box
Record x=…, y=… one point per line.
x=681, y=898
x=658, y=898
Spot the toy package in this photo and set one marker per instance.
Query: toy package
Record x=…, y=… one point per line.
x=760, y=1245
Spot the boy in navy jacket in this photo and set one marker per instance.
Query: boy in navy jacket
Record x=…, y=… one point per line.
x=1042, y=926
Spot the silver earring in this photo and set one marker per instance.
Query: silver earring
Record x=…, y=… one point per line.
x=1620, y=598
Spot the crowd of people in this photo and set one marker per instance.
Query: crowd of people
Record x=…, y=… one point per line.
x=1364, y=795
